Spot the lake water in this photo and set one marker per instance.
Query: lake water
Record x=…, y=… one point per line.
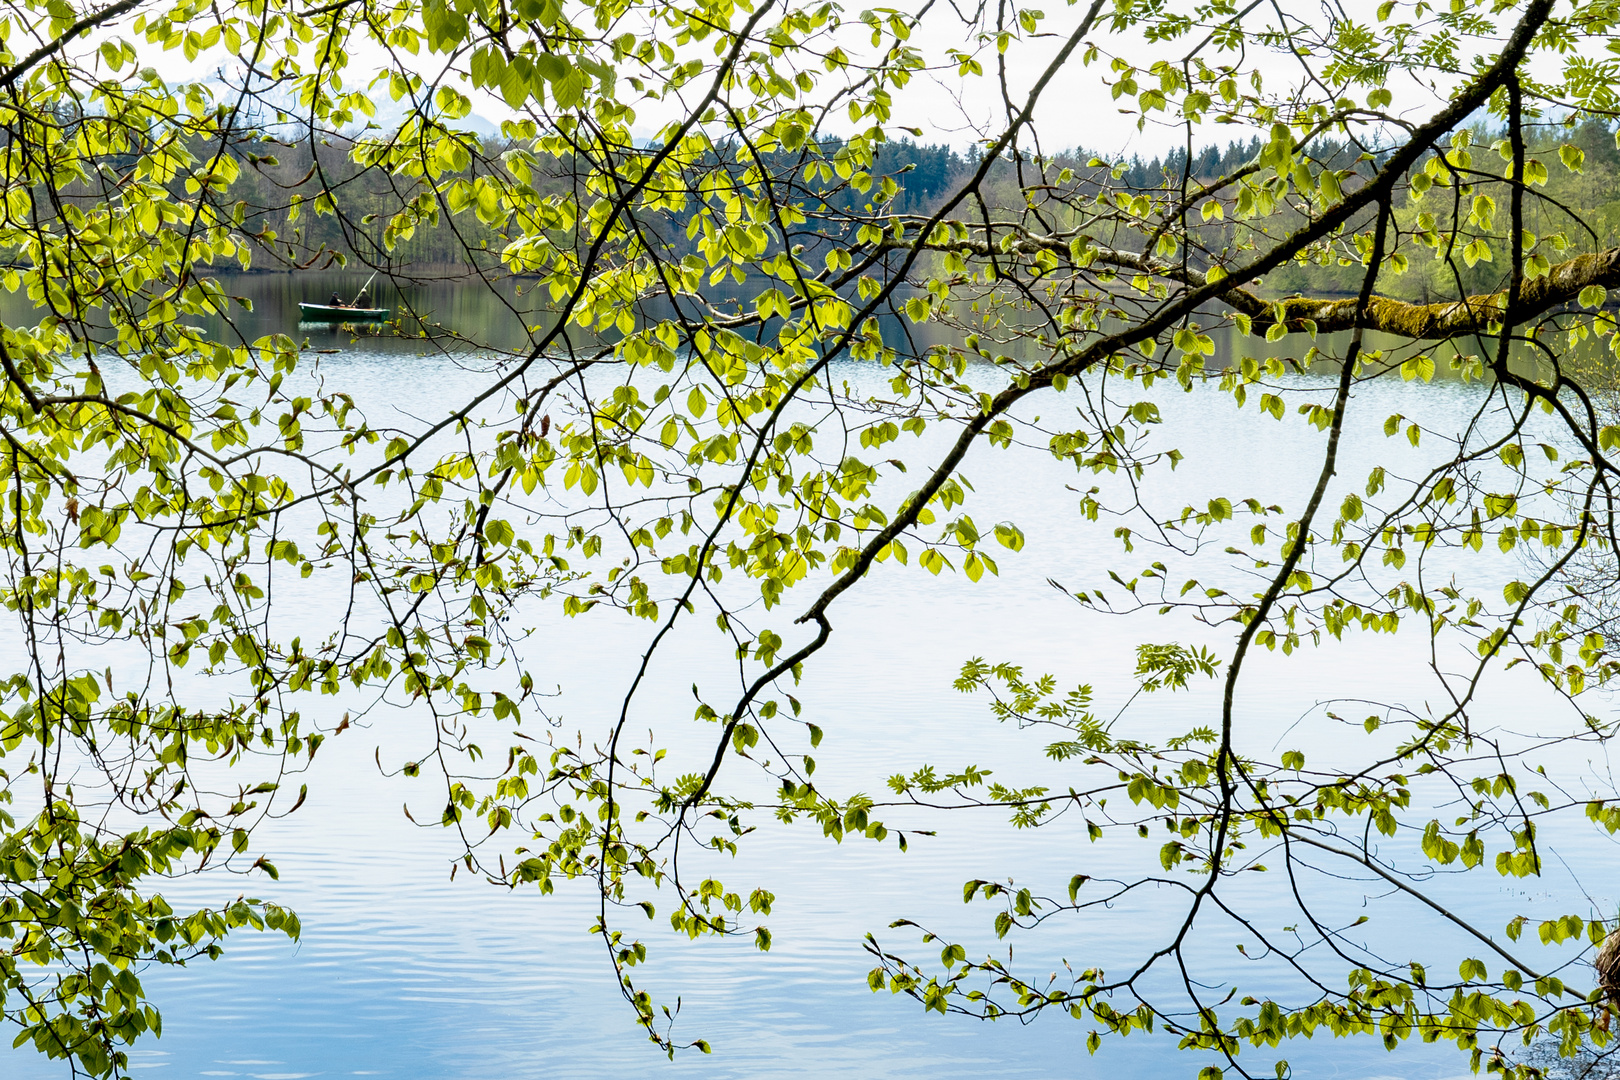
x=405, y=973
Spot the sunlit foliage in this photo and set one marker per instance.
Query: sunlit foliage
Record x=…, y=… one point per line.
x=669, y=445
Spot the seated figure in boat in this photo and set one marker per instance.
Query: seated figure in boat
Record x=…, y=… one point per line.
x=364, y=299
x=336, y=301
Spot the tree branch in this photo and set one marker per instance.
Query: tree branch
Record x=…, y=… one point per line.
x=89, y=22
x=1434, y=322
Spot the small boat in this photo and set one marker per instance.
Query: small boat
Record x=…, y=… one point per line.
x=333, y=313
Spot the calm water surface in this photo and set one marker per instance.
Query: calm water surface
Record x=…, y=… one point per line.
x=407, y=974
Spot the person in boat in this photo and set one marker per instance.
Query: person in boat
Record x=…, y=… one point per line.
x=336, y=301
x=364, y=299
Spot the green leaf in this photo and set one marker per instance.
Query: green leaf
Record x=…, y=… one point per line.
x=1418, y=367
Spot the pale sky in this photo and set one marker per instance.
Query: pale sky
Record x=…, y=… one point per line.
x=1076, y=109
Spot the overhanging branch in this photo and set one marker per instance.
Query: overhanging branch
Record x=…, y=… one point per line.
x=89, y=22
x=1477, y=314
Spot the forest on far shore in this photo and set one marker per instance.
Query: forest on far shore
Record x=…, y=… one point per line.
x=302, y=211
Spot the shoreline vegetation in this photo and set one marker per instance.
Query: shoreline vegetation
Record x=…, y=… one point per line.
x=319, y=205
x=305, y=204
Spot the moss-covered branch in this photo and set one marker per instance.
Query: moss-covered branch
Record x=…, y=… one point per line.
x=1477, y=314
x=1457, y=318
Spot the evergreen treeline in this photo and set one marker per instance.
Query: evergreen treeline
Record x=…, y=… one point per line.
x=306, y=203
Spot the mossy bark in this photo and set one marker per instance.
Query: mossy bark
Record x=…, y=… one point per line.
x=1455, y=318
x=1480, y=314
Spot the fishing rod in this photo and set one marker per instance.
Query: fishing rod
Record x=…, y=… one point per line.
x=365, y=288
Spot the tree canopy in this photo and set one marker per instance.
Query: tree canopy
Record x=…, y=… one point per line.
x=714, y=201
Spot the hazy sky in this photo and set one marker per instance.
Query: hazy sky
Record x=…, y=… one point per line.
x=1075, y=111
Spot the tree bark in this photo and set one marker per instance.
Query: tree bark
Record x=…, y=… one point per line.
x=1481, y=314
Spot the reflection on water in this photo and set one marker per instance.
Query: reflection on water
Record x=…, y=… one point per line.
x=512, y=315
x=406, y=973
x=430, y=316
